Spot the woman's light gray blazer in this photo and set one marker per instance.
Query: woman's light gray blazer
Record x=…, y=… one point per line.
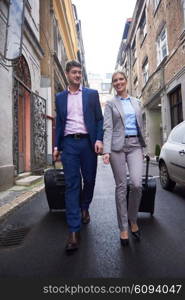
x=114, y=124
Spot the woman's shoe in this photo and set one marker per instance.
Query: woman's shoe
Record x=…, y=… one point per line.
x=136, y=234
x=124, y=242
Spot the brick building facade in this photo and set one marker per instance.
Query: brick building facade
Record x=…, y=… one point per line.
x=154, y=60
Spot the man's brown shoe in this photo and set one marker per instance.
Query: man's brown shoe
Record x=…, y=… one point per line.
x=73, y=241
x=85, y=216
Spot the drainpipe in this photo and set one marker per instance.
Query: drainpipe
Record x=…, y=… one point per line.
x=130, y=71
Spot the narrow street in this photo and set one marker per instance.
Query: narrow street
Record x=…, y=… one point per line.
x=159, y=254
x=110, y=74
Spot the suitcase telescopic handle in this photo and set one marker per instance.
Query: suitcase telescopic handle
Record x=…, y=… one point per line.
x=147, y=168
x=54, y=164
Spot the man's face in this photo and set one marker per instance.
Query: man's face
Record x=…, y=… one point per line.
x=74, y=76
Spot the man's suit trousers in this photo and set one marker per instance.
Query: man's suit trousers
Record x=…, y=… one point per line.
x=80, y=163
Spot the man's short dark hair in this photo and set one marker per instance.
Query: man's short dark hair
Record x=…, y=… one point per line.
x=71, y=64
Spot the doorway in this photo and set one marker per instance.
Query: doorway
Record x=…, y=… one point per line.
x=22, y=117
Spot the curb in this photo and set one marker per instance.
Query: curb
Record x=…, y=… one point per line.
x=154, y=163
x=6, y=209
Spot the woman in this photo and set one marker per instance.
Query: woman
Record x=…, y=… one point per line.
x=123, y=144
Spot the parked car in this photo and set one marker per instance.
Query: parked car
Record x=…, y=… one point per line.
x=172, y=158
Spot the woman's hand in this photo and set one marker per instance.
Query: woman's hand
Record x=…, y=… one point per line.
x=106, y=158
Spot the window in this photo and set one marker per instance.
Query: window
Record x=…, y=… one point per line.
x=176, y=107
x=136, y=86
x=183, y=5
x=59, y=52
x=145, y=70
x=162, y=46
x=143, y=27
x=29, y=4
x=156, y=3
x=14, y=30
x=3, y=24
x=134, y=52
x=178, y=134
x=55, y=35
x=108, y=75
x=125, y=69
x=105, y=86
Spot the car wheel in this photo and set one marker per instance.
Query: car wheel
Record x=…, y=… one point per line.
x=165, y=180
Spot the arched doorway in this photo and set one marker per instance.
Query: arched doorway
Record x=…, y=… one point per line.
x=22, y=116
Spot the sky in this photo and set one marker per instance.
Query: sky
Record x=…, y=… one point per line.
x=102, y=24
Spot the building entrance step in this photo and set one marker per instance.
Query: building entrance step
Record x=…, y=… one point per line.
x=23, y=175
x=29, y=180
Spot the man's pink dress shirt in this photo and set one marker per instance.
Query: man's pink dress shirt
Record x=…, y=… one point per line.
x=75, y=119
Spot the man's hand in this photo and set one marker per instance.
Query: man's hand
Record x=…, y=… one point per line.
x=56, y=155
x=106, y=158
x=98, y=147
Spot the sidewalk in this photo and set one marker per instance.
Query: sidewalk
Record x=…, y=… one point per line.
x=16, y=196
x=153, y=161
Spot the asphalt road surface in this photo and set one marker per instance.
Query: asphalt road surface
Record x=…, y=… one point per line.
x=159, y=254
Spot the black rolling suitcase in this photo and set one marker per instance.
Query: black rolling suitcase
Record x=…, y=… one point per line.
x=148, y=191
x=55, y=189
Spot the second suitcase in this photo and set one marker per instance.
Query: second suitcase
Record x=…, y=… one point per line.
x=147, y=203
x=55, y=188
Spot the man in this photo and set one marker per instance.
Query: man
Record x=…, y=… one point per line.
x=79, y=135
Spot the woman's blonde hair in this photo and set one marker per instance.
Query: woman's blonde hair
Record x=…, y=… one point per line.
x=119, y=72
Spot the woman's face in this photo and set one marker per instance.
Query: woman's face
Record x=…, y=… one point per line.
x=119, y=82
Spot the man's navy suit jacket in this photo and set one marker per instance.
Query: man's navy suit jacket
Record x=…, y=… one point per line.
x=92, y=115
